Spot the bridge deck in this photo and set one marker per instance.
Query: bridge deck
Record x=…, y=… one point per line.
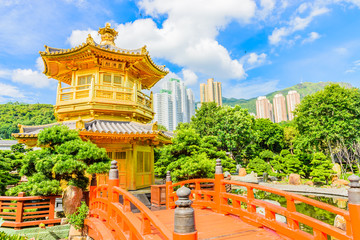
x=211, y=225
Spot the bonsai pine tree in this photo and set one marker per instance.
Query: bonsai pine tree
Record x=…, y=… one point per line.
x=258, y=165
x=64, y=158
x=321, y=168
x=10, y=164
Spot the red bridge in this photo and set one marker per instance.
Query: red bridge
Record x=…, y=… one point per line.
x=216, y=213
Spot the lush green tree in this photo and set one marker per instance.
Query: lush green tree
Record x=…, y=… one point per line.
x=266, y=155
x=234, y=129
x=205, y=119
x=278, y=166
x=321, y=168
x=290, y=134
x=269, y=135
x=63, y=157
x=305, y=159
x=191, y=156
x=12, y=114
x=328, y=117
x=258, y=166
x=286, y=163
x=10, y=164
x=19, y=147
x=294, y=165
x=162, y=127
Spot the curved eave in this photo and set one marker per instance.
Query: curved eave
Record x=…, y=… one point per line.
x=154, y=136
x=160, y=70
x=23, y=135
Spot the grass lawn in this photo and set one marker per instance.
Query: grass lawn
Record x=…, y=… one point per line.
x=49, y=233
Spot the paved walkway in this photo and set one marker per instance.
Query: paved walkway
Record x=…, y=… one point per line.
x=211, y=225
x=308, y=190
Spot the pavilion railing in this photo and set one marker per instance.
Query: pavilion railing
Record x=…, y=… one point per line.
x=244, y=206
x=21, y=211
x=104, y=92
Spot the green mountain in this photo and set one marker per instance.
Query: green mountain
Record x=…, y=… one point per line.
x=12, y=114
x=303, y=89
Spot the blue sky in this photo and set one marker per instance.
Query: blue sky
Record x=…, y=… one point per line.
x=253, y=47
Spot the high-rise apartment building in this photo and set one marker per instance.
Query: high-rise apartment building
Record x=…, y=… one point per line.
x=292, y=99
x=191, y=103
x=184, y=103
x=174, y=104
x=211, y=92
x=264, y=108
x=279, y=108
x=174, y=86
x=163, y=107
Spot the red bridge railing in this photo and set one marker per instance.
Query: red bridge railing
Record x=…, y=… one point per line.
x=111, y=215
x=112, y=206
x=221, y=201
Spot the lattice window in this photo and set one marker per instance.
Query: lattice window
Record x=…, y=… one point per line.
x=107, y=79
x=120, y=155
x=84, y=80
x=117, y=79
x=143, y=162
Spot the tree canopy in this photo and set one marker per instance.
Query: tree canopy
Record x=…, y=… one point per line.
x=64, y=158
x=10, y=165
x=328, y=117
x=191, y=156
x=12, y=114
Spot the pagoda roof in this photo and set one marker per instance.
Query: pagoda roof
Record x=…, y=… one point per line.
x=124, y=128
x=90, y=51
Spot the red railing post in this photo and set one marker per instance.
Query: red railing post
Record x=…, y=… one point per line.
x=184, y=217
x=290, y=205
x=92, y=193
x=19, y=210
x=168, y=189
x=219, y=176
x=51, y=210
x=113, y=182
x=354, y=205
x=250, y=197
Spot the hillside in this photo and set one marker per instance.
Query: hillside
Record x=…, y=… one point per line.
x=12, y=114
x=303, y=89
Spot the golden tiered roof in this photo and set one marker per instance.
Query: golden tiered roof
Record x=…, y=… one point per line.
x=60, y=63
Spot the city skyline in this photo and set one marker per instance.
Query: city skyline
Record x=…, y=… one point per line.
x=251, y=47
x=211, y=92
x=174, y=104
x=280, y=110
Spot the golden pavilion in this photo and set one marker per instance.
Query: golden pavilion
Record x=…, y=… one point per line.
x=100, y=94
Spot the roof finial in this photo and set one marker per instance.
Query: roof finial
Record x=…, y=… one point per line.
x=108, y=35
x=90, y=40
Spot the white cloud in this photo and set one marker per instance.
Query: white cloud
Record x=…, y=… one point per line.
x=253, y=60
x=267, y=6
x=311, y=37
x=33, y=78
x=9, y=93
x=30, y=77
x=256, y=59
x=188, y=35
x=40, y=64
x=79, y=36
x=341, y=50
x=190, y=78
x=5, y=73
x=250, y=90
x=297, y=23
x=355, y=66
